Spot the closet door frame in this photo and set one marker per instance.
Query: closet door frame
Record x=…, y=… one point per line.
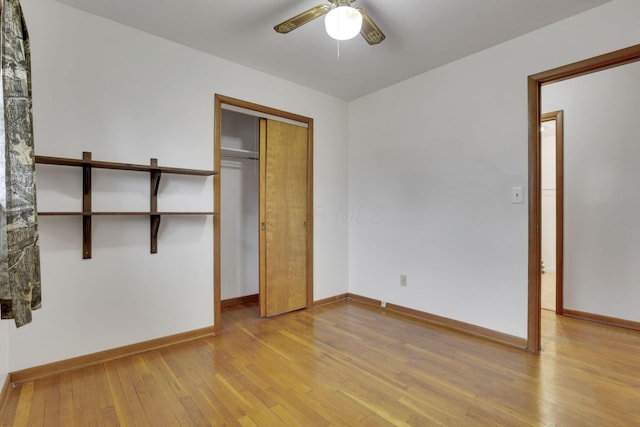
x=266, y=112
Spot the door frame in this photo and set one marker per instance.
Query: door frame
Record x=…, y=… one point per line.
x=558, y=117
x=534, y=86
x=267, y=112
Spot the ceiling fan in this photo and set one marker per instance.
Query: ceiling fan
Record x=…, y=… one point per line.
x=340, y=16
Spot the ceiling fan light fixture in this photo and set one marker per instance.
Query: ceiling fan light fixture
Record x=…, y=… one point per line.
x=343, y=22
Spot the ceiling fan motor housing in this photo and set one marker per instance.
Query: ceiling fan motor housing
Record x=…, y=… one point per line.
x=364, y=24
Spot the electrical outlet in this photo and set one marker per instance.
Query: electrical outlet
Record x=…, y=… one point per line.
x=383, y=304
x=403, y=280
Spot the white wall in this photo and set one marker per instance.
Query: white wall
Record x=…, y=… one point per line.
x=548, y=190
x=437, y=155
x=602, y=203
x=4, y=350
x=240, y=203
x=127, y=96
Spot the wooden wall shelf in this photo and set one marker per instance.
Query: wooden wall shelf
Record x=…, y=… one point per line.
x=122, y=213
x=63, y=161
x=155, y=173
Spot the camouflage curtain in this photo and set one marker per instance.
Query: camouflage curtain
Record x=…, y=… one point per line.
x=19, y=247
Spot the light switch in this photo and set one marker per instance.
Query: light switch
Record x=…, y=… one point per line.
x=517, y=195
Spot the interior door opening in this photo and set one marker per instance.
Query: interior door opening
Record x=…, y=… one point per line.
x=552, y=214
x=535, y=83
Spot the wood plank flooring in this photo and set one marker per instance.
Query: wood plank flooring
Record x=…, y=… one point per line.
x=548, y=290
x=346, y=364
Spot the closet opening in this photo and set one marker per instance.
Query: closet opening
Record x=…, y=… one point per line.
x=263, y=244
x=239, y=208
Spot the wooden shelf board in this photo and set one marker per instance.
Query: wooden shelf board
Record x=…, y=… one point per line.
x=122, y=213
x=183, y=213
x=61, y=214
x=181, y=171
x=119, y=213
x=47, y=160
x=63, y=161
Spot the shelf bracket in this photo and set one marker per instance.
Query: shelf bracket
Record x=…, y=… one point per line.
x=86, y=206
x=155, y=182
x=154, y=221
x=154, y=218
x=156, y=174
x=86, y=236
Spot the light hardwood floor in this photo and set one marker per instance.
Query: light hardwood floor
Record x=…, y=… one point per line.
x=548, y=285
x=348, y=364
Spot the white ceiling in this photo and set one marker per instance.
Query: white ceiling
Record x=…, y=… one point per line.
x=421, y=34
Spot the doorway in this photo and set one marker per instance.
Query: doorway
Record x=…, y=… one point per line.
x=268, y=228
x=535, y=83
x=552, y=213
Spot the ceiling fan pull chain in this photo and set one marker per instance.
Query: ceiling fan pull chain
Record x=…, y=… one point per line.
x=338, y=42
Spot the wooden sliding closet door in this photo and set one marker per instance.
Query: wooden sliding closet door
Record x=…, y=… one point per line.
x=283, y=217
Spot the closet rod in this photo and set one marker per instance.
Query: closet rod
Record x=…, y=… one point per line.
x=228, y=156
x=239, y=154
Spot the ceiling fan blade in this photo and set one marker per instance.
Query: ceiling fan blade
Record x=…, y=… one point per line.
x=303, y=18
x=370, y=31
